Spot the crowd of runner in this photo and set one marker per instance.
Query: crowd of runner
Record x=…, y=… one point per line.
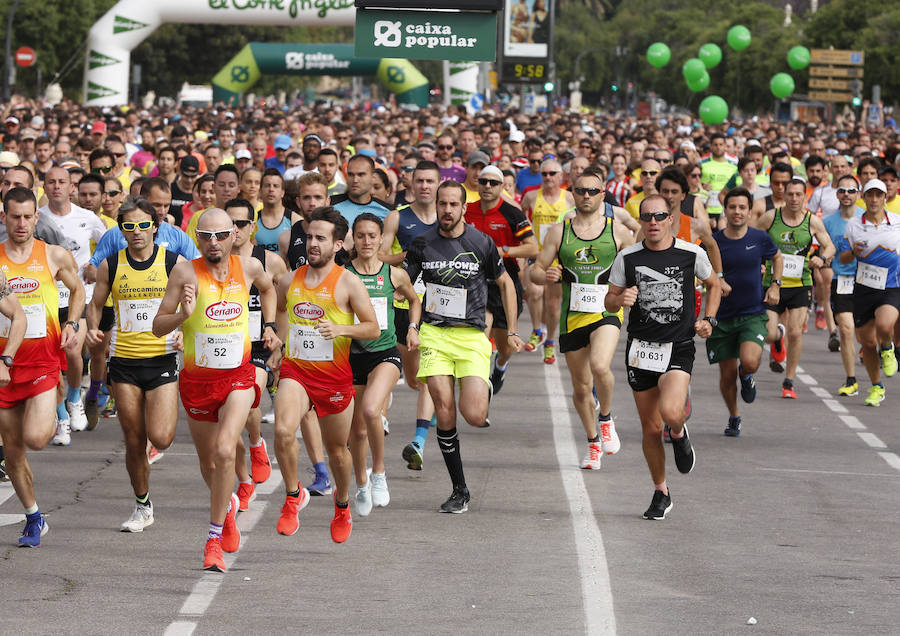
x=319, y=254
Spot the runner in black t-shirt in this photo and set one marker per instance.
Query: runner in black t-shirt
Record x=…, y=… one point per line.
x=456, y=261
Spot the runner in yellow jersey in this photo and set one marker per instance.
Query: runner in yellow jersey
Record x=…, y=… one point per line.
x=142, y=368
x=218, y=384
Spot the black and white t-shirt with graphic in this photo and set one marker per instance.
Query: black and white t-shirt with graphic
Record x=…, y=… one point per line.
x=664, y=310
x=456, y=272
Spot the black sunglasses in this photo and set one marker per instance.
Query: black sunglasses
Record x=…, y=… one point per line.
x=649, y=173
x=550, y=173
x=113, y=193
x=659, y=217
x=589, y=191
x=847, y=190
x=489, y=182
x=242, y=223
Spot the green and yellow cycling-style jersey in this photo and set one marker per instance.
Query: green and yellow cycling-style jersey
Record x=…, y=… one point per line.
x=794, y=244
x=716, y=173
x=586, y=264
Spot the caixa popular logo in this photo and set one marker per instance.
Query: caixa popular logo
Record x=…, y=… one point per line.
x=23, y=284
x=308, y=311
x=224, y=310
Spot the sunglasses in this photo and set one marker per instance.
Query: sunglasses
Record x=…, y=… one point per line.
x=207, y=235
x=534, y=160
x=489, y=182
x=113, y=193
x=131, y=226
x=118, y=155
x=649, y=173
x=659, y=217
x=242, y=223
x=104, y=169
x=587, y=191
x=409, y=168
x=847, y=190
x=447, y=147
x=695, y=175
x=550, y=173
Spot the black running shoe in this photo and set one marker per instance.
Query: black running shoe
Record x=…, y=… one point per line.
x=667, y=438
x=92, y=412
x=412, y=455
x=3, y=475
x=734, y=427
x=748, y=388
x=659, y=506
x=684, y=453
x=458, y=502
x=834, y=343
x=497, y=377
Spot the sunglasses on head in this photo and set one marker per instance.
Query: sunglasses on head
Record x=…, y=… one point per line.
x=659, y=217
x=113, y=193
x=242, y=223
x=207, y=235
x=489, y=182
x=131, y=226
x=587, y=191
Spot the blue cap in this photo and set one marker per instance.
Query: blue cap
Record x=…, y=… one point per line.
x=368, y=152
x=283, y=142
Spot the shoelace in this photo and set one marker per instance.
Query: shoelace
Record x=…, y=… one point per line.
x=604, y=432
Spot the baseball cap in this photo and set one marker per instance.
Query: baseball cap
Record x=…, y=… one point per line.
x=875, y=184
x=190, y=167
x=28, y=133
x=688, y=144
x=520, y=162
x=8, y=159
x=283, y=142
x=313, y=138
x=243, y=153
x=491, y=171
x=478, y=157
x=517, y=136
x=13, y=121
x=426, y=144
x=99, y=127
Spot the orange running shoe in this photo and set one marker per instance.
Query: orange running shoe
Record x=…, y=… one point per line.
x=788, y=392
x=213, y=559
x=820, y=318
x=245, y=494
x=260, y=467
x=231, y=536
x=289, y=521
x=342, y=524
x=154, y=455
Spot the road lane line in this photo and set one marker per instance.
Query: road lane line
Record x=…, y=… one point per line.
x=872, y=440
x=595, y=585
x=820, y=392
x=806, y=378
x=180, y=628
x=836, y=472
x=834, y=406
x=891, y=459
x=852, y=421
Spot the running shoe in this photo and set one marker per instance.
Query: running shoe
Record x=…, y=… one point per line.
x=154, y=455
x=141, y=518
x=667, y=437
x=734, y=427
x=458, y=502
x=363, y=499
x=260, y=466
x=834, y=342
x=412, y=455
x=268, y=418
x=748, y=388
x=110, y=409
x=609, y=439
x=596, y=401
x=3, y=475
x=534, y=341
x=876, y=396
x=289, y=521
x=385, y=425
x=92, y=413
x=549, y=354
x=380, y=495
x=684, y=453
x=889, y=361
x=320, y=485
x=245, y=494
x=788, y=392
x=849, y=389
x=591, y=459
x=63, y=435
x=777, y=352
x=342, y=524
x=77, y=418
x=35, y=528
x=660, y=506
x=213, y=559
x=231, y=536
x=820, y=319
x=497, y=377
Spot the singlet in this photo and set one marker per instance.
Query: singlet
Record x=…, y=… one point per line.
x=618, y=190
x=717, y=173
x=324, y=362
x=381, y=293
x=296, y=251
x=878, y=265
x=586, y=264
x=254, y=304
x=32, y=281
x=687, y=205
x=136, y=290
x=769, y=202
x=350, y=210
x=794, y=243
x=216, y=335
x=409, y=226
x=267, y=237
x=544, y=214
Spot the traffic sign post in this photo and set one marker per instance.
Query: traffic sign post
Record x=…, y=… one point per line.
x=836, y=75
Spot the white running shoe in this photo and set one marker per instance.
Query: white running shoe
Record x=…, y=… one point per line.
x=77, y=418
x=609, y=439
x=269, y=418
x=380, y=495
x=62, y=436
x=141, y=518
x=591, y=460
x=364, y=499
x=386, y=425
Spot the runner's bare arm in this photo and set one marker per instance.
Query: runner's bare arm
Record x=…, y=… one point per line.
x=528, y=248
x=713, y=297
x=352, y=293
x=543, y=271
x=528, y=202
x=773, y=293
x=181, y=289
x=618, y=297
x=621, y=215
x=12, y=309
x=401, y=282
x=508, y=290
x=764, y=221
x=275, y=265
x=284, y=240
x=826, y=247
x=281, y=317
x=95, y=308
x=622, y=233
x=391, y=224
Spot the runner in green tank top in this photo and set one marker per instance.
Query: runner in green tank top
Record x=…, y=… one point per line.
x=586, y=247
x=794, y=242
x=376, y=363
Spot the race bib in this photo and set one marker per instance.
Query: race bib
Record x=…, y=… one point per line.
x=587, y=299
x=650, y=356
x=36, y=322
x=136, y=316
x=218, y=351
x=308, y=344
x=844, y=285
x=793, y=266
x=64, y=294
x=871, y=275
x=380, y=304
x=255, y=325
x=449, y=302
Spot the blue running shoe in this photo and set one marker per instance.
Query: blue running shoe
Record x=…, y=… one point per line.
x=734, y=427
x=35, y=528
x=321, y=486
x=748, y=387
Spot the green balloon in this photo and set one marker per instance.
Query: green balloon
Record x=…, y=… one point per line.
x=713, y=110
x=798, y=58
x=700, y=84
x=739, y=37
x=693, y=69
x=710, y=55
x=781, y=85
x=658, y=54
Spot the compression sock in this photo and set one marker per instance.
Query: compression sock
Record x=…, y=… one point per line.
x=94, y=390
x=73, y=394
x=449, y=443
x=421, y=435
x=61, y=412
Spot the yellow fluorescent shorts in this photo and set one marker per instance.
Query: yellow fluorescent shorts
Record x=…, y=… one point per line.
x=459, y=352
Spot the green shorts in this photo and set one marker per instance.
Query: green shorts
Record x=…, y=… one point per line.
x=725, y=341
x=459, y=352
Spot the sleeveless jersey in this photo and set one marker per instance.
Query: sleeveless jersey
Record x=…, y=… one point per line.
x=267, y=237
x=586, y=264
x=32, y=281
x=136, y=290
x=409, y=226
x=687, y=205
x=325, y=362
x=254, y=304
x=381, y=292
x=544, y=214
x=216, y=335
x=794, y=243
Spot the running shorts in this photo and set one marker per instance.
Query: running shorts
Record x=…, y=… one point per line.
x=27, y=382
x=364, y=363
x=725, y=341
x=459, y=352
x=203, y=397
x=146, y=374
x=326, y=400
x=681, y=359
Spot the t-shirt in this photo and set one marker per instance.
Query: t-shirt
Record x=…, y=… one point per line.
x=296, y=172
x=716, y=173
x=79, y=227
x=527, y=180
x=741, y=261
x=664, y=310
x=350, y=210
x=824, y=201
x=506, y=224
x=878, y=265
x=272, y=162
x=167, y=236
x=836, y=226
x=456, y=273
x=454, y=173
x=180, y=198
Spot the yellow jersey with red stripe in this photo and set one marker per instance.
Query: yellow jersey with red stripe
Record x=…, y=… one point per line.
x=217, y=333
x=325, y=361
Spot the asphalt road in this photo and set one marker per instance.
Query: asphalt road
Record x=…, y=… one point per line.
x=792, y=524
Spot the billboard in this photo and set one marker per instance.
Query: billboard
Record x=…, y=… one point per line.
x=527, y=28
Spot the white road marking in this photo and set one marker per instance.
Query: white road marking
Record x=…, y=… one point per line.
x=180, y=628
x=6, y=491
x=872, y=440
x=820, y=392
x=834, y=406
x=852, y=421
x=891, y=459
x=834, y=472
x=11, y=520
x=806, y=379
x=595, y=585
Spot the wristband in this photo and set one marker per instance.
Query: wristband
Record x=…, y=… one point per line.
x=512, y=333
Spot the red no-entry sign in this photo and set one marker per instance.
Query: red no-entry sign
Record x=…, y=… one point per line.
x=25, y=56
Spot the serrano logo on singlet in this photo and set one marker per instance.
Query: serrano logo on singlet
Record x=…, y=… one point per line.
x=308, y=311
x=224, y=310
x=23, y=285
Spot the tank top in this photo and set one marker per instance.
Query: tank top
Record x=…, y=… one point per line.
x=586, y=264
x=409, y=226
x=544, y=214
x=254, y=304
x=325, y=362
x=296, y=252
x=794, y=243
x=216, y=335
x=687, y=206
x=267, y=237
x=381, y=293
x=32, y=282
x=137, y=290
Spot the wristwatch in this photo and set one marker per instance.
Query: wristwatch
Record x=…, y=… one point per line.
x=777, y=281
x=272, y=325
x=7, y=360
x=711, y=320
x=73, y=324
x=413, y=325
x=505, y=249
